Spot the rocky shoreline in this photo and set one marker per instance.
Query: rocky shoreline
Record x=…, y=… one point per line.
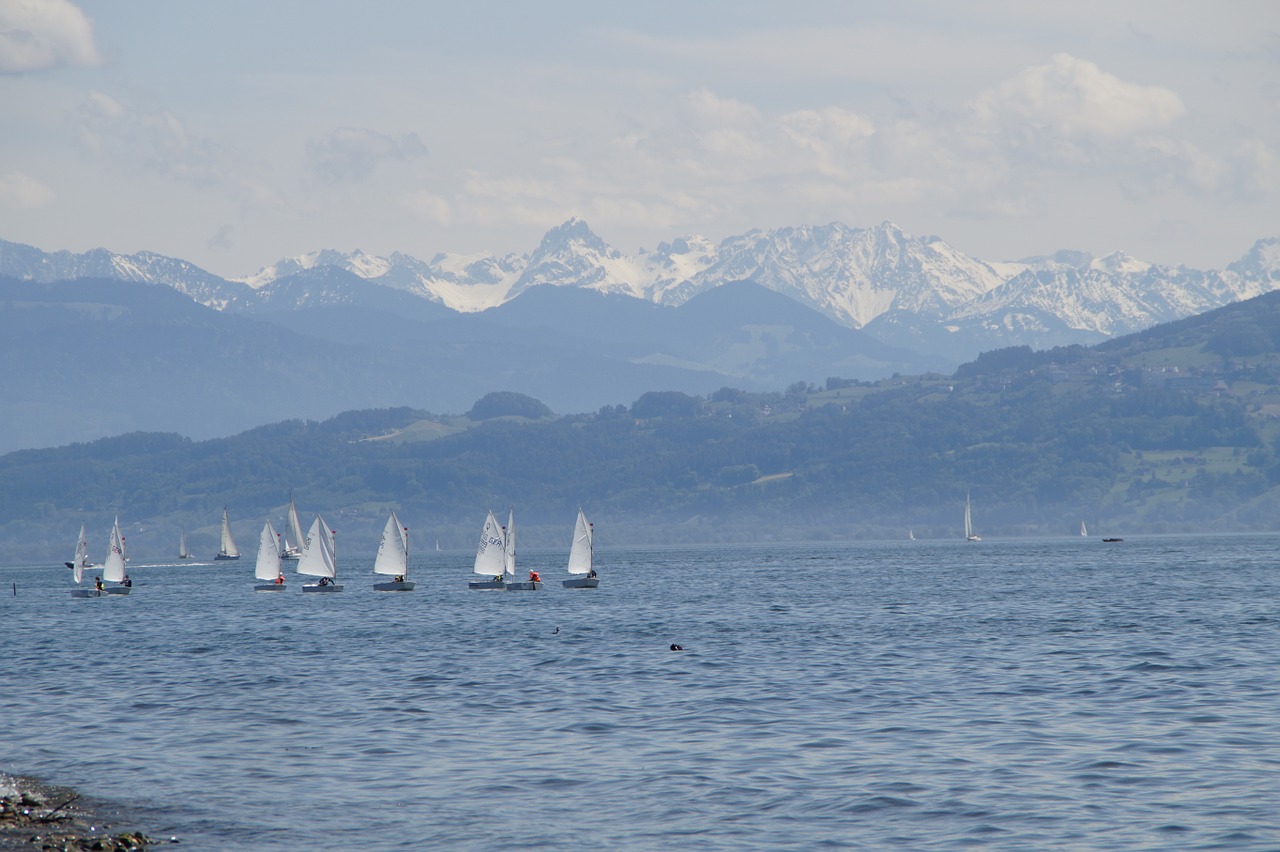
x=38, y=816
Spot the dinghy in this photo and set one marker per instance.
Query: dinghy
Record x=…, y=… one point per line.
x=509, y=562
x=228, y=550
x=582, y=557
x=81, y=559
x=267, y=570
x=490, y=556
x=319, y=558
x=183, y=551
x=113, y=568
x=293, y=549
x=393, y=557
x=77, y=572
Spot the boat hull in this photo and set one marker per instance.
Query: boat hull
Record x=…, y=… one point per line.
x=316, y=587
x=581, y=582
x=528, y=586
x=392, y=586
x=269, y=587
x=118, y=590
x=487, y=585
x=223, y=557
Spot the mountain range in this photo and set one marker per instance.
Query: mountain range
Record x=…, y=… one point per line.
x=575, y=323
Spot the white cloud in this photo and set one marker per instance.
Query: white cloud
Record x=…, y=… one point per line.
x=354, y=152
x=39, y=34
x=1074, y=99
x=23, y=192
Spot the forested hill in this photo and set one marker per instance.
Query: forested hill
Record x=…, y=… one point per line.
x=1172, y=430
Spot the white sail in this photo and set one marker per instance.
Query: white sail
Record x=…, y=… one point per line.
x=82, y=557
x=491, y=552
x=113, y=570
x=294, y=530
x=968, y=521
x=509, y=549
x=580, y=551
x=82, y=554
x=183, y=552
x=393, y=551
x=229, y=548
x=318, y=558
x=1083, y=531
x=268, y=567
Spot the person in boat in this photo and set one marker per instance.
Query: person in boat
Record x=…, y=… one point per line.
x=97, y=583
x=591, y=573
x=324, y=581
x=126, y=582
x=280, y=580
x=399, y=578
x=535, y=577
x=498, y=578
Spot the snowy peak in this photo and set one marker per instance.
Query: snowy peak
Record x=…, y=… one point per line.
x=1262, y=261
x=571, y=255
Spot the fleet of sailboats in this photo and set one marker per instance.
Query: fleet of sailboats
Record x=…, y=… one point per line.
x=393, y=557
x=582, y=557
x=267, y=568
x=228, y=549
x=319, y=558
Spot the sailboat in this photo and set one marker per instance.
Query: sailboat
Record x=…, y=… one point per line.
x=490, y=556
x=113, y=568
x=293, y=549
x=183, y=551
x=81, y=559
x=1084, y=533
x=319, y=558
x=911, y=536
x=509, y=562
x=268, y=567
x=393, y=557
x=581, y=556
x=968, y=522
x=228, y=550
x=77, y=569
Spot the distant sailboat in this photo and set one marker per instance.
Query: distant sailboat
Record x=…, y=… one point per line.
x=292, y=549
x=911, y=536
x=393, y=557
x=437, y=545
x=509, y=562
x=267, y=568
x=319, y=558
x=113, y=568
x=228, y=550
x=490, y=556
x=1083, y=532
x=968, y=522
x=582, y=556
x=183, y=551
x=81, y=559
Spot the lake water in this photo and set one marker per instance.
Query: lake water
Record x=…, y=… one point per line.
x=923, y=695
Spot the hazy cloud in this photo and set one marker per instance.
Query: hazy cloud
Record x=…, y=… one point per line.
x=23, y=192
x=350, y=153
x=40, y=34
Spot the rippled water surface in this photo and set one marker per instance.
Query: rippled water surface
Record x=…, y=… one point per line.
x=923, y=695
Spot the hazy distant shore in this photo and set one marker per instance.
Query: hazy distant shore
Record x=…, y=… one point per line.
x=36, y=815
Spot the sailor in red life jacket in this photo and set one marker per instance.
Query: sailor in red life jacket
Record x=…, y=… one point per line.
x=535, y=577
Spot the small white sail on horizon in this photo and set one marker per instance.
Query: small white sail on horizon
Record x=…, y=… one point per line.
x=228, y=549
x=183, y=551
x=1083, y=532
x=969, y=534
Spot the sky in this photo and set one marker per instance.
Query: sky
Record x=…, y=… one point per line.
x=234, y=133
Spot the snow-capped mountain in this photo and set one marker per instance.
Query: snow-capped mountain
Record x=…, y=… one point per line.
x=910, y=291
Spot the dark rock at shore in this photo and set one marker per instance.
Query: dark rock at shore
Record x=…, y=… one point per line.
x=32, y=817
